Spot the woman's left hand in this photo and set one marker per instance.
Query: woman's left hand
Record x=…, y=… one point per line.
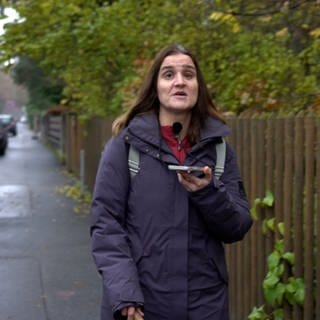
x=193, y=183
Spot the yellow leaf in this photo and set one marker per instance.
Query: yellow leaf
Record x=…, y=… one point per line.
x=220, y=16
x=236, y=28
x=315, y=33
x=282, y=33
x=265, y=18
x=226, y=18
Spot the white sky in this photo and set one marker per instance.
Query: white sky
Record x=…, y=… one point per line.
x=11, y=16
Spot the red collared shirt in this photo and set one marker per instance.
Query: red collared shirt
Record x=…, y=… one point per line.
x=179, y=149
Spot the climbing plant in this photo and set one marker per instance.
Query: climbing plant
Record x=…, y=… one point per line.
x=280, y=286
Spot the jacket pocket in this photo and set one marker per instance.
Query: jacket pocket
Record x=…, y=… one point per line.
x=153, y=263
x=217, y=257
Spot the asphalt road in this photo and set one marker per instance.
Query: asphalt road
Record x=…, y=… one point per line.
x=46, y=269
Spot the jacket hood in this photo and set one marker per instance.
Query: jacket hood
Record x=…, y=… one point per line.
x=147, y=128
x=214, y=128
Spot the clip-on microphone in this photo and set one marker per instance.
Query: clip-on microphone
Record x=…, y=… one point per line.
x=176, y=128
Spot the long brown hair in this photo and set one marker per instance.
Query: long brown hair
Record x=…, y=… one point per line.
x=148, y=101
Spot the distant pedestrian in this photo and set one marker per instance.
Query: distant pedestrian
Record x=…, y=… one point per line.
x=157, y=235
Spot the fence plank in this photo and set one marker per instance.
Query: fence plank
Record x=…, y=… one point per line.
x=270, y=164
x=317, y=216
x=279, y=168
x=260, y=177
x=231, y=250
x=253, y=183
x=240, y=282
x=309, y=218
x=287, y=195
x=247, y=250
x=298, y=203
x=288, y=181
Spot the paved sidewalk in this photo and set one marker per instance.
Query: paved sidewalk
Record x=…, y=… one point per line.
x=46, y=269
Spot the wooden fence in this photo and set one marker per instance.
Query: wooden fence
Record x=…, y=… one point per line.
x=53, y=129
x=280, y=155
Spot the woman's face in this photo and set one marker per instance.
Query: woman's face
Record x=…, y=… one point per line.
x=177, y=84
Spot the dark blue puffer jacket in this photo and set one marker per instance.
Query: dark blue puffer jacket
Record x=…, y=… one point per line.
x=154, y=243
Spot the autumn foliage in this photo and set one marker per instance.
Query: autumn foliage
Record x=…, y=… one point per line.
x=254, y=55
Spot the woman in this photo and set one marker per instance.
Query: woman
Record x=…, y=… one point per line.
x=157, y=237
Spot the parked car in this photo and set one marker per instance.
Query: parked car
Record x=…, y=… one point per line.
x=3, y=140
x=9, y=123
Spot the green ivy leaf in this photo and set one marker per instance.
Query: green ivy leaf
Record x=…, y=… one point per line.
x=299, y=296
x=271, y=224
x=270, y=281
x=289, y=294
x=268, y=200
x=279, y=270
x=296, y=290
x=271, y=295
x=273, y=260
x=289, y=256
x=258, y=314
x=279, y=246
x=253, y=210
x=278, y=314
x=281, y=228
x=265, y=228
x=281, y=289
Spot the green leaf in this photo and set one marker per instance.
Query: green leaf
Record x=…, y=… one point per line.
x=268, y=200
x=279, y=246
x=274, y=295
x=281, y=228
x=295, y=291
x=289, y=295
x=258, y=314
x=265, y=228
x=279, y=270
x=253, y=210
x=278, y=314
x=271, y=295
x=289, y=256
x=270, y=281
x=273, y=260
x=281, y=289
x=299, y=295
x=271, y=224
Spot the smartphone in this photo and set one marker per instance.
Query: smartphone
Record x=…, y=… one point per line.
x=185, y=168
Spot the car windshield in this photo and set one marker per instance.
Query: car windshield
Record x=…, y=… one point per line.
x=5, y=119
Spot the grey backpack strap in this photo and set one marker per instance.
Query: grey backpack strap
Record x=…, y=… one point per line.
x=133, y=161
x=221, y=158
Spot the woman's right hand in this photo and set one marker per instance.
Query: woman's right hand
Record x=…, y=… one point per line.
x=132, y=313
x=193, y=183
